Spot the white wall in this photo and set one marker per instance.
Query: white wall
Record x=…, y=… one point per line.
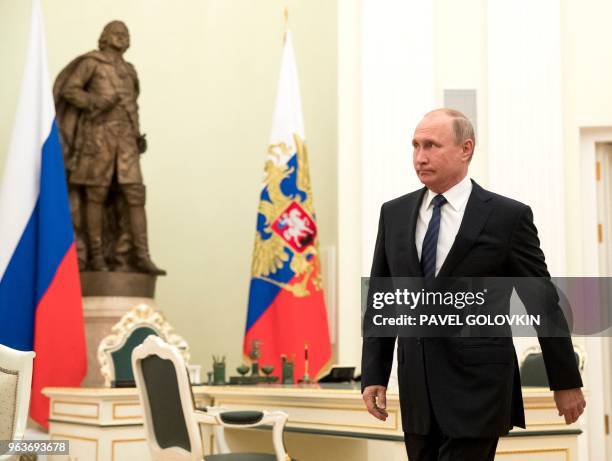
x=587, y=114
x=460, y=62
x=587, y=102
x=350, y=128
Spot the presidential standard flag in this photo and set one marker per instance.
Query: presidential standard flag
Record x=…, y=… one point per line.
x=286, y=304
x=40, y=294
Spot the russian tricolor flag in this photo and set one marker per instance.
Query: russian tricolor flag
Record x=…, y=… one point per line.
x=286, y=309
x=40, y=295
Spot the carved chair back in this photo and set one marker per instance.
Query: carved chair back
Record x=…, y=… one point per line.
x=115, y=350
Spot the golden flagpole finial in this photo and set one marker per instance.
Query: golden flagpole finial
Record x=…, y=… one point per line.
x=286, y=16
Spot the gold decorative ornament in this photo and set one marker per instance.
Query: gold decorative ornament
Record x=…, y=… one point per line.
x=269, y=255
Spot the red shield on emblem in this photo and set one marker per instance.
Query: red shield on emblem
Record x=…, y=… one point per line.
x=295, y=227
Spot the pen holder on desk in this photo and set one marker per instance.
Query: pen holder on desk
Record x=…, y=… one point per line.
x=194, y=373
x=219, y=373
x=287, y=373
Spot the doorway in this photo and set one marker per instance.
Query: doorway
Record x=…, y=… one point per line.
x=603, y=179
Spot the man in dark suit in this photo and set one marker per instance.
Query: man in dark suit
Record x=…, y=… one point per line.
x=458, y=395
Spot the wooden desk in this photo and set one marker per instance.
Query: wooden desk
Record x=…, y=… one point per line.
x=324, y=424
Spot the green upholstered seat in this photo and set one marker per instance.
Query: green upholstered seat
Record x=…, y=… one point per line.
x=241, y=417
x=122, y=357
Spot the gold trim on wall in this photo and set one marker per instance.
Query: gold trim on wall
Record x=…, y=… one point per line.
x=339, y=425
x=559, y=422
x=115, y=405
x=542, y=423
x=290, y=392
x=536, y=450
x=76, y=437
x=55, y=402
x=540, y=407
x=123, y=441
x=291, y=420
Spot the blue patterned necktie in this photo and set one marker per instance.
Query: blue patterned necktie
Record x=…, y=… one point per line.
x=430, y=242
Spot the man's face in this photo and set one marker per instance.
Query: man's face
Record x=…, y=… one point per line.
x=119, y=38
x=438, y=160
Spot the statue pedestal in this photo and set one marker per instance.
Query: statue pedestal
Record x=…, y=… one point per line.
x=107, y=296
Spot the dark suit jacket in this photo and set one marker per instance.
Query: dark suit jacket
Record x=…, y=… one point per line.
x=472, y=385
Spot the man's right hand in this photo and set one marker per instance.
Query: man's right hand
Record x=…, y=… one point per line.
x=375, y=399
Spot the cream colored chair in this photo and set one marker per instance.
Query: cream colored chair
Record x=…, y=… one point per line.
x=172, y=424
x=15, y=388
x=115, y=350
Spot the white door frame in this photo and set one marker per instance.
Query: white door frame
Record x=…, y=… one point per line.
x=597, y=348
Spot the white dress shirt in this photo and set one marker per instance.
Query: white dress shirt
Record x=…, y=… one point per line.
x=450, y=218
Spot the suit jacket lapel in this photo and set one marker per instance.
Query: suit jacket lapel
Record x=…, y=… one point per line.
x=412, y=266
x=477, y=211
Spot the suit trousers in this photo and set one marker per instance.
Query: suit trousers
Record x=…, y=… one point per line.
x=436, y=446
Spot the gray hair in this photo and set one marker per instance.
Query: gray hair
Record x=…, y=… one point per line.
x=462, y=127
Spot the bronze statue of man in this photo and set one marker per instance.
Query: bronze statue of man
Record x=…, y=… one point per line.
x=96, y=103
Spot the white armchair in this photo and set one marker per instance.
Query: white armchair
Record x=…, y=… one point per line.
x=171, y=421
x=15, y=388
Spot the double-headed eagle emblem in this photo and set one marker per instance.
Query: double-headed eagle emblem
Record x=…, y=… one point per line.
x=288, y=231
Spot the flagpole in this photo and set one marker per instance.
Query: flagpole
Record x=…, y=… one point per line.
x=284, y=320
x=286, y=16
